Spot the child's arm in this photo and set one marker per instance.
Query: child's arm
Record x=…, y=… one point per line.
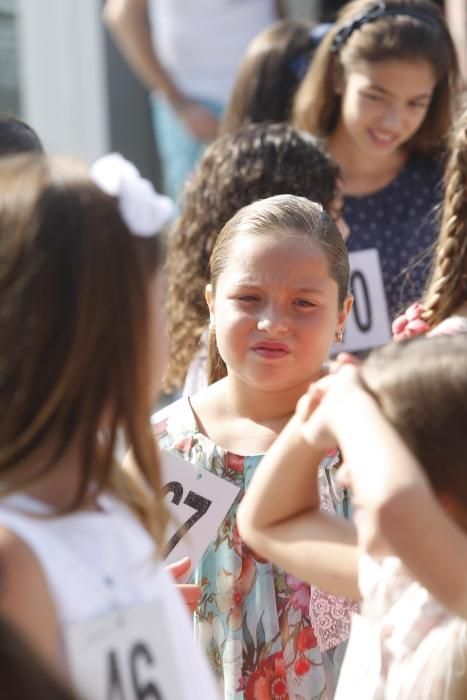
x=279, y=517
x=25, y=599
x=389, y=483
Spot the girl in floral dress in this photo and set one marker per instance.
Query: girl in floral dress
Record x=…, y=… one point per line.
x=278, y=300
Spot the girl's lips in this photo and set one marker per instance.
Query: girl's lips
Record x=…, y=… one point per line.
x=382, y=139
x=271, y=350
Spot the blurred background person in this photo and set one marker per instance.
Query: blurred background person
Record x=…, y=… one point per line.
x=17, y=137
x=187, y=54
x=272, y=69
x=382, y=90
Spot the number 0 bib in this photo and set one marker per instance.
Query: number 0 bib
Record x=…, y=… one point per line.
x=368, y=323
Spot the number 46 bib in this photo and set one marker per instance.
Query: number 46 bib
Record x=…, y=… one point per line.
x=125, y=655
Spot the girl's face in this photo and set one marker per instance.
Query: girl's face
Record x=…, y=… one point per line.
x=275, y=311
x=385, y=103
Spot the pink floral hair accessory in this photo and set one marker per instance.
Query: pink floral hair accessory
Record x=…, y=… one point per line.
x=410, y=323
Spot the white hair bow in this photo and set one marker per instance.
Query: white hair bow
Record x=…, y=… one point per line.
x=144, y=210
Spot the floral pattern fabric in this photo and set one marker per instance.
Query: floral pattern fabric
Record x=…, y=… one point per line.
x=253, y=620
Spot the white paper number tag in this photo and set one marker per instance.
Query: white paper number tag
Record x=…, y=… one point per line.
x=198, y=502
x=368, y=323
x=125, y=655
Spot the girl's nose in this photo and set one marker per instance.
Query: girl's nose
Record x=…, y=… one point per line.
x=272, y=322
x=391, y=118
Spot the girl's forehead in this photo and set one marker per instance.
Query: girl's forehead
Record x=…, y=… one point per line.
x=261, y=258
x=248, y=249
x=395, y=76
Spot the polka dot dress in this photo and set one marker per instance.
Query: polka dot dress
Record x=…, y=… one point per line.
x=400, y=221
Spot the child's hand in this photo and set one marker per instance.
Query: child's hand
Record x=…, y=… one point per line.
x=324, y=398
x=190, y=592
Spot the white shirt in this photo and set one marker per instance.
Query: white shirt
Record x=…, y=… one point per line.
x=101, y=571
x=201, y=43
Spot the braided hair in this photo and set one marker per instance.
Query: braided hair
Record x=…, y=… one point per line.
x=447, y=287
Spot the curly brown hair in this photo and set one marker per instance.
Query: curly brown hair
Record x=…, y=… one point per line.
x=255, y=162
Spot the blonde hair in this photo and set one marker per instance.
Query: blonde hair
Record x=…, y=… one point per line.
x=447, y=287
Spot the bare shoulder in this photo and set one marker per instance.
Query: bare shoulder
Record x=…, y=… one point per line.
x=25, y=599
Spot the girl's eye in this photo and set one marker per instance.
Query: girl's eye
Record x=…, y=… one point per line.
x=304, y=303
x=418, y=105
x=247, y=297
x=374, y=98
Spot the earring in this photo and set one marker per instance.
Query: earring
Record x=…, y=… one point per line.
x=212, y=325
x=339, y=337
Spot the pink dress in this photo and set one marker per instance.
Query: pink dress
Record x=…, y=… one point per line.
x=450, y=326
x=404, y=645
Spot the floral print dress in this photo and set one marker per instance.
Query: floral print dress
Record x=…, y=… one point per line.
x=253, y=620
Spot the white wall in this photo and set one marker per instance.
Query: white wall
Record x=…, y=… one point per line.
x=308, y=9
x=62, y=75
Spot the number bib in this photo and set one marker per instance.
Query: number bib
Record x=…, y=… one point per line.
x=368, y=323
x=125, y=655
x=199, y=503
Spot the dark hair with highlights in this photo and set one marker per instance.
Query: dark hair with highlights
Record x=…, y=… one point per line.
x=284, y=215
x=403, y=38
x=74, y=330
x=254, y=162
